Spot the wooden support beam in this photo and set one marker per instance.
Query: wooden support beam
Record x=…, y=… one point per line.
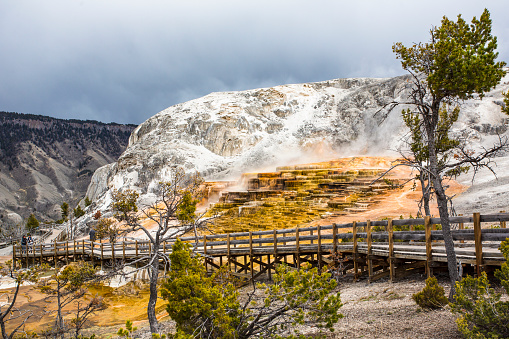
x=55, y=251
x=478, y=243
x=461, y=226
x=391, y=250
x=502, y=223
x=297, y=248
x=112, y=254
x=14, y=256
x=369, y=240
x=319, y=233
x=251, y=253
x=275, y=250
x=205, y=251
x=429, y=258
x=228, y=252
x=102, y=256
x=92, y=252
x=355, y=264
x=335, y=238
x=269, y=275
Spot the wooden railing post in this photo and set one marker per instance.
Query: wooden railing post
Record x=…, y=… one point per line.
x=67, y=252
x=92, y=252
x=297, y=248
x=14, y=256
x=502, y=223
x=461, y=226
x=102, y=256
x=113, y=254
x=335, y=238
x=355, y=264
x=40, y=253
x=369, y=240
x=205, y=252
x=228, y=255
x=55, y=250
x=251, y=253
x=319, y=231
x=123, y=251
x=391, y=250
x=478, y=243
x=275, y=254
x=74, y=251
x=427, y=234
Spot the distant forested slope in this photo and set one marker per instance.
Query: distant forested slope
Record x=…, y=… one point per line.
x=45, y=161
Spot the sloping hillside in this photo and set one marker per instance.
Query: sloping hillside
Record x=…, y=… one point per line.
x=45, y=161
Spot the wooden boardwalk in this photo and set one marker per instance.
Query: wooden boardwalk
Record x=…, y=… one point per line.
x=373, y=249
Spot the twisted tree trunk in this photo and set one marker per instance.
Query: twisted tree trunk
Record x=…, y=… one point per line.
x=153, y=274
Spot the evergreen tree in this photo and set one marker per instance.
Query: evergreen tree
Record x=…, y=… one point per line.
x=32, y=223
x=458, y=63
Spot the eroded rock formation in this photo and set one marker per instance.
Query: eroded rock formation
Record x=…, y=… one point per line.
x=222, y=135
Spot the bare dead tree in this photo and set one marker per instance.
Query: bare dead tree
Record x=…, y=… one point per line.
x=9, y=311
x=172, y=214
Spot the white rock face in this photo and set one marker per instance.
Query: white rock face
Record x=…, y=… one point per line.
x=224, y=134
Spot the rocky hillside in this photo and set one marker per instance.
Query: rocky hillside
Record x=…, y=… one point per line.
x=45, y=161
x=224, y=134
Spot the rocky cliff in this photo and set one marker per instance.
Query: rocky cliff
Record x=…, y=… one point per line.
x=223, y=134
x=45, y=161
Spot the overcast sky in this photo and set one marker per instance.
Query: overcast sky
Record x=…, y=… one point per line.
x=124, y=61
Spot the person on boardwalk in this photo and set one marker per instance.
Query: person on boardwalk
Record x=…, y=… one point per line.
x=30, y=243
x=23, y=244
x=92, y=234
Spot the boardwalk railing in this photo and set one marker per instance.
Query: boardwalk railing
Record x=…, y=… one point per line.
x=372, y=248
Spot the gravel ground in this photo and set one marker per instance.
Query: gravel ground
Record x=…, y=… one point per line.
x=378, y=310
x=386, y=310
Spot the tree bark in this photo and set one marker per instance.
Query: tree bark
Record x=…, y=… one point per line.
x=154, y=273
x=425, y=188
x=442, y=202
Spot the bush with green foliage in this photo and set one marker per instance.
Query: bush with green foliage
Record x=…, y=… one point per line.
x=78, y=212
x=32, y=223
x=88, y=202
x=187, y=208
x=65, y=211
x=209, y=306
x=432, y=295
x=483, y=313
x=128, y=333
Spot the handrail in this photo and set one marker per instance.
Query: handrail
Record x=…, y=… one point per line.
x=323, y=235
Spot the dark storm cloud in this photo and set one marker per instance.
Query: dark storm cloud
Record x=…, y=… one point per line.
x=124, y=61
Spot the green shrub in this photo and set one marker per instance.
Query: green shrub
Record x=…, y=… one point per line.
x=432, y=295
x=214, y=303
x=78, y=212
x=129, y=330
x=32, y=223
x=483, y=314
